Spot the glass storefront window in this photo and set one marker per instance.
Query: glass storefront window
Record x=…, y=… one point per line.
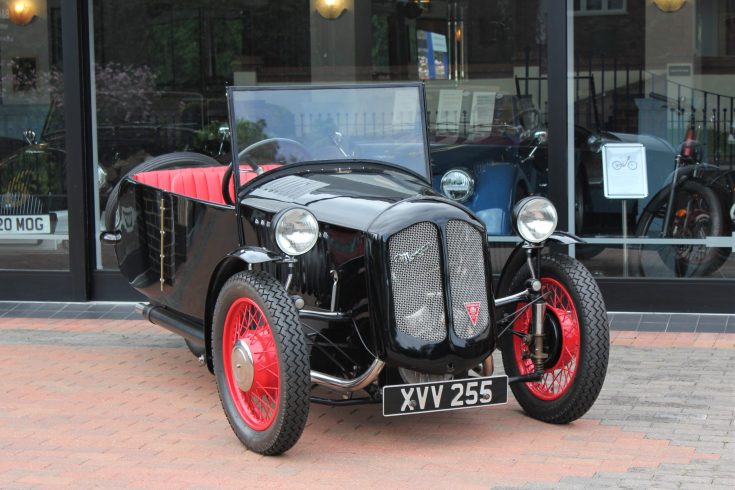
x=161, y=70
x=663, y=80
x=34, y=231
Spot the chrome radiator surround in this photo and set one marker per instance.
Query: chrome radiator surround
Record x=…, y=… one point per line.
x=417, y=281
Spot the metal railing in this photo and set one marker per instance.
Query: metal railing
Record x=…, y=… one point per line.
x=617, y=95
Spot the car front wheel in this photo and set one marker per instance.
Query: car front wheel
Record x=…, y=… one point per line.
x=260, y=363
x=576, y=343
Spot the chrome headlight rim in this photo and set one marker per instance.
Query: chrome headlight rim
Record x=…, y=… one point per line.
x=304, y=221
x=521, y=216
x=464, y=173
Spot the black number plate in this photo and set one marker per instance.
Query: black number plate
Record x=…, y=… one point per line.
x=444, y=395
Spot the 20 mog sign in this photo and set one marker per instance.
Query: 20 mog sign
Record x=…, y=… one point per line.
x=34, y=223
x=444, y=395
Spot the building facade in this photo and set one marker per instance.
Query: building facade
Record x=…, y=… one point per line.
x=620, y=111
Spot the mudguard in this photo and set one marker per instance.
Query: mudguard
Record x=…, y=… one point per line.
x=517, y=259
x=238, y=260
x=706, y=173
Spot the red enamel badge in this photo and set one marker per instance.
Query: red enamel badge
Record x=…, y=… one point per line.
x=473, y=310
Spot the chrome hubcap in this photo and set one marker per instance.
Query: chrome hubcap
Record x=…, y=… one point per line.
x=242, y=365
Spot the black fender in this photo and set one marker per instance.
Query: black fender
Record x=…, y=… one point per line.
x=707, y=173
x=236, y=261
x=517, y=259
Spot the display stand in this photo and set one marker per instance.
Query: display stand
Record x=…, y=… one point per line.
x=625, y=177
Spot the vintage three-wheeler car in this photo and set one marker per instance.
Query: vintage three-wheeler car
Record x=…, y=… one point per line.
x=321, y=266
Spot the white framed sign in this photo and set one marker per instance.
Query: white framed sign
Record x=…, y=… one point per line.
x=624, y=170
x=483, y=111
x=449, y=111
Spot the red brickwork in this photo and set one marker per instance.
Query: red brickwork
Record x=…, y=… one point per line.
x=115, y=416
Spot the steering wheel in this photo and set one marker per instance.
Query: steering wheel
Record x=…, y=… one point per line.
x=521, y=116
x=283, y=150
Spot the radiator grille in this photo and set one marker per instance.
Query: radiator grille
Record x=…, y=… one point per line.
x=467, y=279
x=416, y=279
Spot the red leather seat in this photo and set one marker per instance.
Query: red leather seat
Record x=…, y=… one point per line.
x=204, y=183
x=156, y=178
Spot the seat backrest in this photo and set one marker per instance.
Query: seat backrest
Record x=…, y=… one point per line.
x=156, y=178
x=204, y=183
x=200, y=184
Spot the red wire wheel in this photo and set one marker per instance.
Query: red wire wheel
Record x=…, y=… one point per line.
x=246, y=322
x=560, y=309
x=260, y=362
x=576, y=339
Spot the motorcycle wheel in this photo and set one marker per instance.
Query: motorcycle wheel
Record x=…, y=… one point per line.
x=576, y=341
x=260, y=363
x=698, y=214
x=161, y=162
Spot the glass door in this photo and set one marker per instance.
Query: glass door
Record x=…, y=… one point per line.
x=655, y=78
x=34, y=217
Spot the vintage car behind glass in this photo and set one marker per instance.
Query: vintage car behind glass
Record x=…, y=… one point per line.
x=321, y=266
x=489, y=168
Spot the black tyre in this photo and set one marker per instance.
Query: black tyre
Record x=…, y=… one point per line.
x=161, y=162
x=260, y=362
x=577, y=343
x=697, y=213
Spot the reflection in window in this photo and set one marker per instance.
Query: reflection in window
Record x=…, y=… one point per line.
x=673, y=98
x=34, y=216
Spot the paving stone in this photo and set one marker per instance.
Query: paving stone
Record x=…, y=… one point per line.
x=627, y=321
x=651, y=327
x=658, y=318
x=122, y=402
x=712, y=323
x=730, y=324
x=77, y=307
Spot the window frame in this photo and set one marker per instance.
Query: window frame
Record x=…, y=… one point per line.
x=604, y=10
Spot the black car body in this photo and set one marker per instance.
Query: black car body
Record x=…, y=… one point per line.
x=389, y=300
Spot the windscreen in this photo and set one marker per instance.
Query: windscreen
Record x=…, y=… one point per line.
x=298, y=124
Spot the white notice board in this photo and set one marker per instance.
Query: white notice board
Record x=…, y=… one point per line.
x=624, y=170
x=449, y=111
x=483, y=111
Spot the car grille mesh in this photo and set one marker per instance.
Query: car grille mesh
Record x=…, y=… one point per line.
x=467, y=279
x=418, y=288
x=416, y=279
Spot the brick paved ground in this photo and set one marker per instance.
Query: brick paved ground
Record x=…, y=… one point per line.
x=120, y=403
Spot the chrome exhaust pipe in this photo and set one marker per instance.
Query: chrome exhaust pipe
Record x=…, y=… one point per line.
x=348, y=385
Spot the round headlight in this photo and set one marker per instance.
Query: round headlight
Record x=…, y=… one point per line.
x=534, y=218
x=296, y=231
x=457, y=185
